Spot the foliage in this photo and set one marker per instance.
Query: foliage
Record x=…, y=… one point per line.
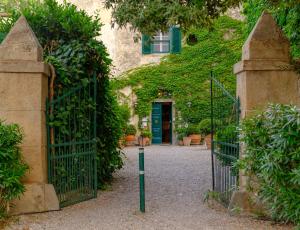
x=68, y=36
x=286, y=13
x=158, y=15
x=146, y=133
x=131, y=130
x=186, y=76
x=124, y=116
x=205, y=126
x=228, y=134
x=193, y=129
x=12, y=167
x=180, y=136
x=273, y=157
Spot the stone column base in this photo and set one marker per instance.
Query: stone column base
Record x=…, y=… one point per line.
x=38, y=197
x=246, y=203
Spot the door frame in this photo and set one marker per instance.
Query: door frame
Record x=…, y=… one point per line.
x=173, y=139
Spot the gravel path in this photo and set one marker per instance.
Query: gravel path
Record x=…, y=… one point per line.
x=176, y=180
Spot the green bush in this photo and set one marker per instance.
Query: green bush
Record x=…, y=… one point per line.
x=180, y=136
x=205, y=126
x=12, y=167
x=131, y=130
x=227, y=134
x=193, y=129
x=68, y=36
x=146, y=133
x=124, y=116
x=272, y=157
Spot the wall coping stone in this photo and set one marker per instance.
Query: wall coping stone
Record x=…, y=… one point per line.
x=262, y=65
x=20, y=66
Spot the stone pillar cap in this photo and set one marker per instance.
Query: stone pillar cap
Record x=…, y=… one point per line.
x=266, y=41
x=21, y=44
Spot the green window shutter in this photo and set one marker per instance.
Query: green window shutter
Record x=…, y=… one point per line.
x=175, y=40
x=146, y=44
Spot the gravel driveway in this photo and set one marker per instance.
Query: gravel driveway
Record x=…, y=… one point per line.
x=176, y=180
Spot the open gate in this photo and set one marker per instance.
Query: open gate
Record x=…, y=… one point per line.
x=225, y=113
x=71, y=137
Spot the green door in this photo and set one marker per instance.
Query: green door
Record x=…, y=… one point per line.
x=156, y=123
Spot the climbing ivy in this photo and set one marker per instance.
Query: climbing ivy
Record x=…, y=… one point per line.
x=186, y=77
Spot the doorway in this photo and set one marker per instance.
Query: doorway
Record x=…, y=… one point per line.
x=162, y=123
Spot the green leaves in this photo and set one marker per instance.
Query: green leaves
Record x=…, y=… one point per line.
x=272, y=141
x=12, y=167
x=158, y=15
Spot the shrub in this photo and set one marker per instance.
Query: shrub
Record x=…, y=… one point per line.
x=12, y=167
x=180, y=136
x=272, y=156
x=68, y=36
x=131, y=130
x=227, y=134
x=193, y=129
x=205, y=126
x=146, y=133
x=124, y=116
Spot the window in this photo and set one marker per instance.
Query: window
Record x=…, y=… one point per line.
x=161, y=43
x=169, y=42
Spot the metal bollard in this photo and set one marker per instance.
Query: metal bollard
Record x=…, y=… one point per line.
x=142, y=179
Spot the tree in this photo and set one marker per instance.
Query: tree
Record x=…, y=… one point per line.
x=150, y=16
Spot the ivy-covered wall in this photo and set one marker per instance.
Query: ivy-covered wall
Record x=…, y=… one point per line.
x=184, y=77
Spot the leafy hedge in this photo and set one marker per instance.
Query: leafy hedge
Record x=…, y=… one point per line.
x=12, y=167
x=185, y=77
x=272, y=157
x=68, y=36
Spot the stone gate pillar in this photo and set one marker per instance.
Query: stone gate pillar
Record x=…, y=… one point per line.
x=264, y=75
x=23, y=92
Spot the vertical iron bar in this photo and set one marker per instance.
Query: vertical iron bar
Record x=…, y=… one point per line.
x=95, y=135
x=48, y=141
x=142, y=179
x=212, y=130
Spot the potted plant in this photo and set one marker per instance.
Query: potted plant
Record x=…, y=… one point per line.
x=130, y=135
x=180, y=137
x=186, y=141
x=194, y=134
x=205, y=129
x=145, y=138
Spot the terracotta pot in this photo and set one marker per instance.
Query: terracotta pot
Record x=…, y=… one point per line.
x=144, y=141
x=208, y=141
x=130, y=140
x=187, y=141
x=180, y=143
x=195, y=139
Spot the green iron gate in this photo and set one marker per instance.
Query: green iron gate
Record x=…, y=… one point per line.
x=71, y=129
x=225, y=143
